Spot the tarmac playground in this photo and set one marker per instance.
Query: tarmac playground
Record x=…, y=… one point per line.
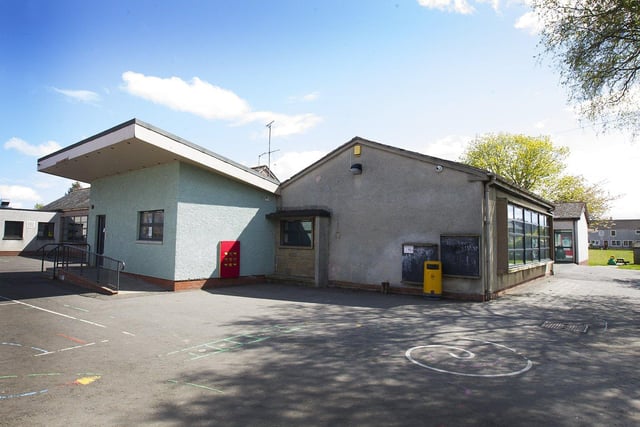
x=559, y=351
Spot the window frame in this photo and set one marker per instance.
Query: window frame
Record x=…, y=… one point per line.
x=46, y=231
x=528, y=236
x=152, y=231
x=310, y=234
x=6, y=236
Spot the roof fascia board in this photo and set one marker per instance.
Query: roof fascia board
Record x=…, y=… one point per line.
x=208, y=160
x=100, y=141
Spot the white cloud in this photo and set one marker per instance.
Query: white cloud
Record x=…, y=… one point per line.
x=309, y=97
x=211, y=102
x=80, y=95
x=20, y=196
x=457, y=6
x=529, y=22
x=290, y=163
x=32, y=150
x=450, y=147
x=283, y=124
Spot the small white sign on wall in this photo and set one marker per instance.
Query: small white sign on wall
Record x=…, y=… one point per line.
x=407, y=249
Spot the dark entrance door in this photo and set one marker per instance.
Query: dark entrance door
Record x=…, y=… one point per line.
x=101, y=233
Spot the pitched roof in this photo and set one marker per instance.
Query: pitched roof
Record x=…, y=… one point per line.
x=135, y=145
x=478, y=174
x=569, y=210
x=76, y=200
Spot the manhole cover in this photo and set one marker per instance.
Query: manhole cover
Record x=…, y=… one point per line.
x=573, y=327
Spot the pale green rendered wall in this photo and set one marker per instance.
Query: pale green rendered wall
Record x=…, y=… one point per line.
x=200, y=210
x=120, y=198
x=212, y=208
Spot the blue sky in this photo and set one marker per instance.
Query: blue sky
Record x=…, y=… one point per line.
x=424, y=75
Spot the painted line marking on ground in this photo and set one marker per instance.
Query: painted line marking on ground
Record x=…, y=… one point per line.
x=78, y=340
x=20, y=345
x=196, y=386
x=128, y=333
x=76, y=308
x=85, y=379
x=66, y=349
x=29, y=393
x=54, y=312
x=234, y=342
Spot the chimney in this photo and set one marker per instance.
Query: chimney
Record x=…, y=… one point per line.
x=4, y=203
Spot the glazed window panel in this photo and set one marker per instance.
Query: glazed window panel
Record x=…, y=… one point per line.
x=151, y=225
x=13, y=230
x=528, y=240
x=46, y=230
x=297, y=233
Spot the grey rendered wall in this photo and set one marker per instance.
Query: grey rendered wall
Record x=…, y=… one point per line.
x=212, y=208
x=120, y=198
x=396, y=200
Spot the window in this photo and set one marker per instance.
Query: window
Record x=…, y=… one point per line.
x=151, y=226
x=595, y=243
x=612, y=233
x=46, y=230
x=13, y=230
x=638, y=231
x=296, y=233
x=615, y=243
x=75, y=229
x=529, y=237
x=627, y=243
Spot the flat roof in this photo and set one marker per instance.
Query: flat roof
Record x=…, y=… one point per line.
x=135, y=145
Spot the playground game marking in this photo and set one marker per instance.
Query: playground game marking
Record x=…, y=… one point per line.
x=496, y=360
x=233, y=342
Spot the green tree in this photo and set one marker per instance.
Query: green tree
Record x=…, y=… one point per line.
x=571, y=188
x=528, y=162
x=596, y=46
x=534, y=164
x=38, y=206
x=75, y=186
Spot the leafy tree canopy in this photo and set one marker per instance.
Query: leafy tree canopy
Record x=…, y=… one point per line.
x=534, y=164
x=526, y=161
x=596, y=46
x=75, y=186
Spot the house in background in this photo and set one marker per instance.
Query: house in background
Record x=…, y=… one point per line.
x=177, y=214
x=571, y=233
x=369, y=213
x=616, y=234
x=74, y=212
x=24, y=231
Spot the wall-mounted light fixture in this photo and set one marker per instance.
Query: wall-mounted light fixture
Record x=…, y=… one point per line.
x=439, y=168
x=356, y=169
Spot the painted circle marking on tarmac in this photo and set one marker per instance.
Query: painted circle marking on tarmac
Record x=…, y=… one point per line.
x=477, y=358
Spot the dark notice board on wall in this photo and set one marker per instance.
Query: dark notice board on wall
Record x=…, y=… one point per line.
x=460, y=255
x=413, y=257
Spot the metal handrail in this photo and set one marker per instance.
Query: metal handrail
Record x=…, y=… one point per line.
x=63, y=253
x=56, y=247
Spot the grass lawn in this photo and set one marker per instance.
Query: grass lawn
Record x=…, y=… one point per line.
x=601, y=256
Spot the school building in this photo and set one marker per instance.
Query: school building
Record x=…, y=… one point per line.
x=365, y=214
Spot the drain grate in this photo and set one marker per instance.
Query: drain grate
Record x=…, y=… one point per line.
x=572, y=327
